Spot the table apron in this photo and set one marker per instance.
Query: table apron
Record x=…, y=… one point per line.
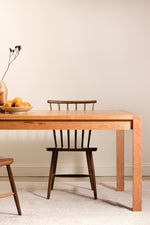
x=66, y=125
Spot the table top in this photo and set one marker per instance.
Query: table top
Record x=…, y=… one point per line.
x=70, y=115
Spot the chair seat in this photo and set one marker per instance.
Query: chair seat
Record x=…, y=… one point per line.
x=72, y=149
x=6, y=161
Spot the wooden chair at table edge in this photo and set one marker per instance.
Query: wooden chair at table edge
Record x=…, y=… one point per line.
x=6, y=162
x=55, y=150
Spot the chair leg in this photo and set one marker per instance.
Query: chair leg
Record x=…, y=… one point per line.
x=55, y=165
x=93, y=174
x=13, y=187
x=89, y=169
x=51, y=173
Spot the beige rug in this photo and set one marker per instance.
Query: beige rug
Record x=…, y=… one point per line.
x=72, y=203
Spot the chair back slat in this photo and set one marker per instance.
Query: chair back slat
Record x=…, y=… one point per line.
x=71, y=102
x=75, y=103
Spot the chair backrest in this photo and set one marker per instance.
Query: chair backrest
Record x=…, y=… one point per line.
x=75, y=104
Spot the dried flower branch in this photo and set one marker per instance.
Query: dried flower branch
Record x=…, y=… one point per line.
x=13, y=54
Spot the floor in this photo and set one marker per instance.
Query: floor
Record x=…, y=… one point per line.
x=72, y=203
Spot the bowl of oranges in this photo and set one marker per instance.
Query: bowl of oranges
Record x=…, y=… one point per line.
x=16, y=105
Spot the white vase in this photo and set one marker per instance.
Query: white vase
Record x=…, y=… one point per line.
x=3, y=92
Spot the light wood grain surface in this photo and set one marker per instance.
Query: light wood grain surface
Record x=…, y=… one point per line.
x=99, y=120
x=137, y=164
x=67, y=115
x=120, y=159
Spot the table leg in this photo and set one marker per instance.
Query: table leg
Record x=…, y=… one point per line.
x=137, y=163
x=120, y=159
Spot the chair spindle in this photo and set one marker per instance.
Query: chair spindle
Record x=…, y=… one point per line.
x=93, y=106
x=76, y=107
x=68, y=135
x=61, y=138
x=50, y=107
x=82, y=140
x=89, y=137
x=75, y=144
x=55, y=141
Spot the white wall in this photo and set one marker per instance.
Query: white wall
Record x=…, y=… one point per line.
x=76, y=49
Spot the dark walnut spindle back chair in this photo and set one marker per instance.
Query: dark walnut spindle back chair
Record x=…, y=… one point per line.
x=55, y=150
x=6, y=162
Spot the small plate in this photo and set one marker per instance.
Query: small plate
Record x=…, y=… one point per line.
x=16, y=109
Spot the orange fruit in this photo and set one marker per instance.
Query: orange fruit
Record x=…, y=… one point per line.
x=26, y=104
x=19, y=104
x=17, y=99
x=8, y=104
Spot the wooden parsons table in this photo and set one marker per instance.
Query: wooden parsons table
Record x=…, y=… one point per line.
x=95, y=120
